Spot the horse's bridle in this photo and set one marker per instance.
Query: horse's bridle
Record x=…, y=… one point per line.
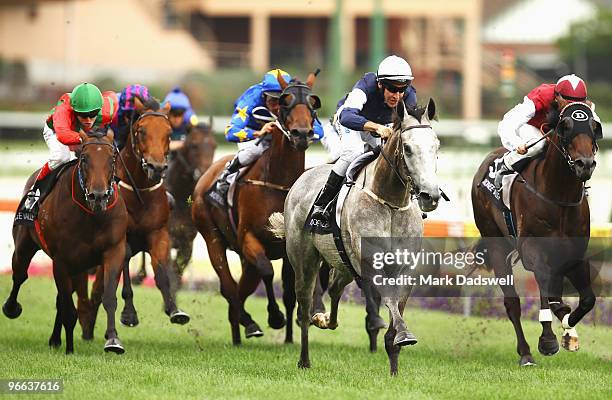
x=302, y=94
x=110, y=188
x=143, y=163
x=399, y=155
x=562, y=148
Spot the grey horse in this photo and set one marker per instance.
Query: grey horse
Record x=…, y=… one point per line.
x=381, y=204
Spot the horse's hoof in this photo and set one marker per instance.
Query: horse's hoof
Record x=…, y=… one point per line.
x=129, y=319
x=303, y=364
x=527, y=361
x=405, y=338
x=253, y=330
x=276, y=319
x=569, y=342
x=179, y=317
x=12, y=312
x=375, y=323
x=55, y=343
x=87, y=336
x=114, y=345
x=320, y=320
x=548, y=346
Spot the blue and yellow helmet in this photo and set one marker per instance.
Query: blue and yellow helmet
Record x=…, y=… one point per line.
x=270, y=84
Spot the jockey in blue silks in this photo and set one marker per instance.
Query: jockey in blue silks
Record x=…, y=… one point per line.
x=181, y=117
x=243, y=127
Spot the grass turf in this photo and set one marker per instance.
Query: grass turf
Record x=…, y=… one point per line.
x=455, y=358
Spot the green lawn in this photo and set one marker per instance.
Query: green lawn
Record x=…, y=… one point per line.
x=455, y=357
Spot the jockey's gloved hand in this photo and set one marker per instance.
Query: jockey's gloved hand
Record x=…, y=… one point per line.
x=522, y=149
x=384, y=131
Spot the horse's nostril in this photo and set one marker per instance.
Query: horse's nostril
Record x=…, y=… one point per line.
x=580, y=163
x=425, y=196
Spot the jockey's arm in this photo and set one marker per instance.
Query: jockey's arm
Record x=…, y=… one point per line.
x=595, y=116
x=515, y=118
x=176, y=145
x=62, y=125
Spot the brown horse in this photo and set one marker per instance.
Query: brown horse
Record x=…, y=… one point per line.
x=548, y=201
x=185, y=167
x=141, y=168
x=260, y=192
x=81, y=224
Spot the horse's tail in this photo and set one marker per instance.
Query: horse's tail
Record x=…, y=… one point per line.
x=276, y=225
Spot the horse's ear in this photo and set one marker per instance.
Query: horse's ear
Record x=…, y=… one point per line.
x=165, y=109
x=83, y=136
x=110, y=134
x=281, y=81
x=138, y=104
x=398, y=115
x=431, y=110
x=310, y=80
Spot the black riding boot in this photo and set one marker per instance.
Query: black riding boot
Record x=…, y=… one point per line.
x=321, y=210
x=219, y=195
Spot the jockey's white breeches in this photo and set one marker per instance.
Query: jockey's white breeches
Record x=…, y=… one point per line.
x=60, y=153
x=252, y=150
x=352, y=145
x=528, y=134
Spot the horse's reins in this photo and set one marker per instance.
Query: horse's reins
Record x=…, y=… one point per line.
x=410, y=182
x=143, y=163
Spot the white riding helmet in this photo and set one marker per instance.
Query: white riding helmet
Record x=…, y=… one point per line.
x=394, y=68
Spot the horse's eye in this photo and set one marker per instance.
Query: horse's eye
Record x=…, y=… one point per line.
x=407, y=150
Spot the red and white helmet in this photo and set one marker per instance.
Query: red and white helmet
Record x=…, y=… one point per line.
x=571, y=87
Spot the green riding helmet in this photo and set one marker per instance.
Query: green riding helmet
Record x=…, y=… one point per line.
x=86, y=98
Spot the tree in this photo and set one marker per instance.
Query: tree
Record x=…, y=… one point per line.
x=587, y=46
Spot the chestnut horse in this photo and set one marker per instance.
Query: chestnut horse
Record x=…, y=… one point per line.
x=81, y=224
x=185, y=167
x=141, y=168
x=548, y=201
x=259, y=193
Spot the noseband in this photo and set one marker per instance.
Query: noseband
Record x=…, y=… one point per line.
x=143, y=163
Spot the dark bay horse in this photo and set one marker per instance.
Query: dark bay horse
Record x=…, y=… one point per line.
x=185, y=167
x=81, y=224
x=548, y=201
x=141, y=168
x=260, y=192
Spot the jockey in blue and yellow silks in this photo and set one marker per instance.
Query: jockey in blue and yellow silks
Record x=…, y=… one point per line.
x=243, y=127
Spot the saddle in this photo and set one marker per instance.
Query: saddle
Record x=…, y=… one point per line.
x=323, y=228
x=500, y=198
x=23, y=217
